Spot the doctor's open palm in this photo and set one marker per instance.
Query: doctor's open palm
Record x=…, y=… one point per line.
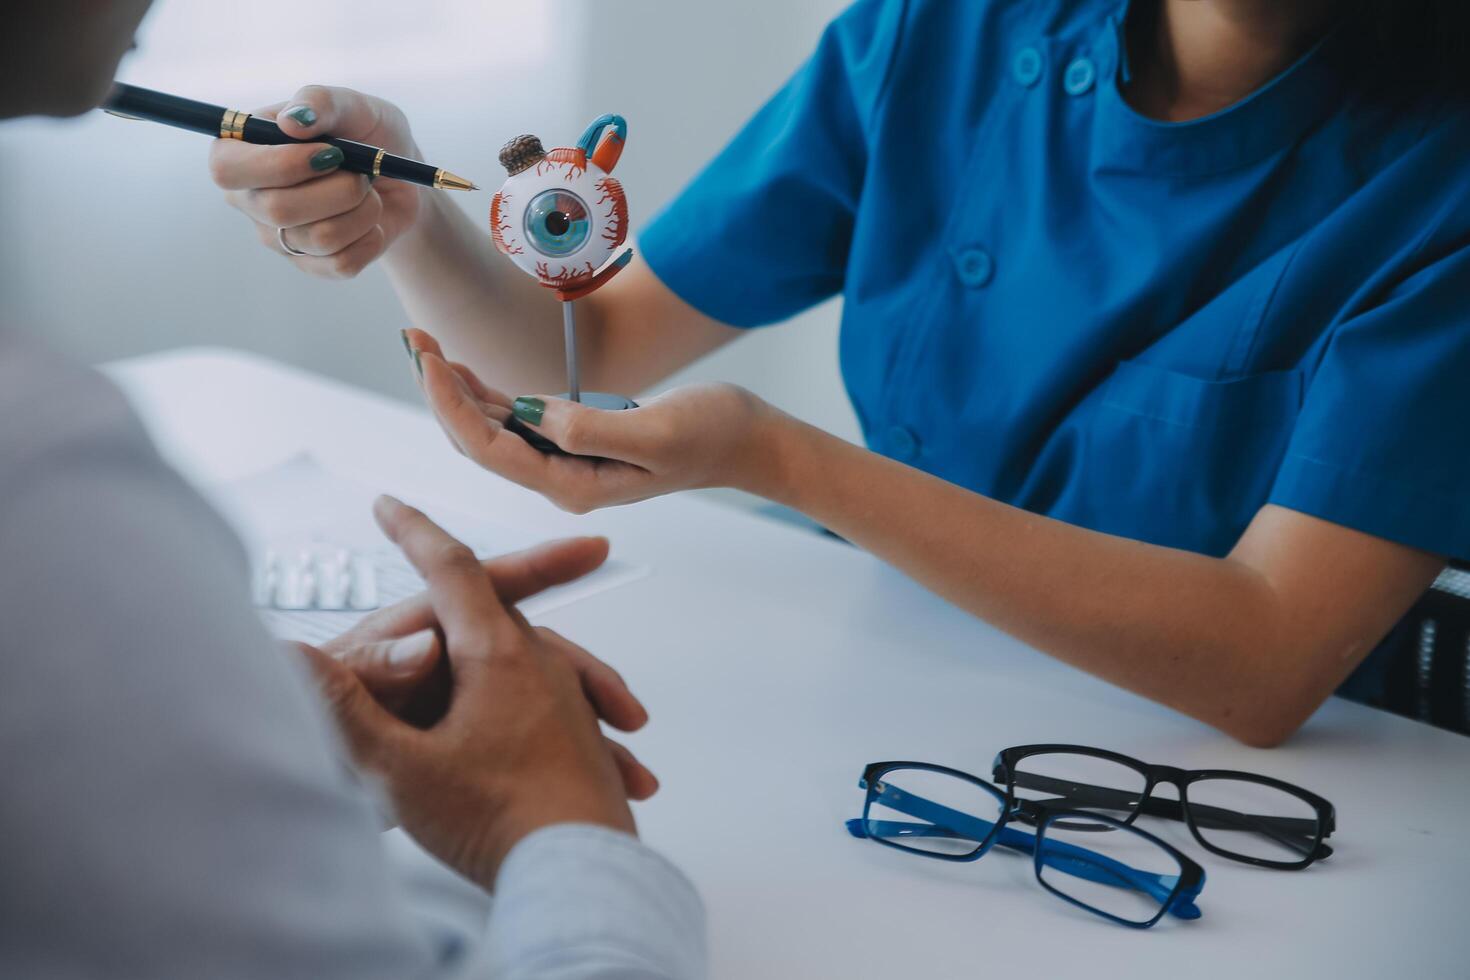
x=696, y=436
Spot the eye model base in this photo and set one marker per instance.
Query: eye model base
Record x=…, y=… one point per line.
x=592, y=399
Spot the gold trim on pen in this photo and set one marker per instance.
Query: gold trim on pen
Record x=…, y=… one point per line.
x=446, y=181
x=378, y=163
x=232, y=124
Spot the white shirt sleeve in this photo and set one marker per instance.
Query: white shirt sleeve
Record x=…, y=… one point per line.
x=577, y=902
x=174, y=802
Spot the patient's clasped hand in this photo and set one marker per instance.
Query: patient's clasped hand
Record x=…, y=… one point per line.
x=521, y=709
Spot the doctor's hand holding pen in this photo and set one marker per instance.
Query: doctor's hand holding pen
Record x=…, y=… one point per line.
x=330, y=222
x=446, y=272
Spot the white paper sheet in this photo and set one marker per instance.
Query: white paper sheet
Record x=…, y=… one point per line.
x=301, y=505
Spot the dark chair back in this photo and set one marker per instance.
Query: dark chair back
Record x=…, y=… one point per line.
x=1428, y=665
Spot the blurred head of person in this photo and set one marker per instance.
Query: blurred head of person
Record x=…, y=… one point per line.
x=58, y=57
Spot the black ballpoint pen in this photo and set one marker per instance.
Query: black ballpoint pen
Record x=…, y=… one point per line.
x=231, y=124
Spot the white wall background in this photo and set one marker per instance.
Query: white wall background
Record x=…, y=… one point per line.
x=115, y=242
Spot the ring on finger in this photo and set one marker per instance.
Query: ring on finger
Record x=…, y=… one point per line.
x=281, y=237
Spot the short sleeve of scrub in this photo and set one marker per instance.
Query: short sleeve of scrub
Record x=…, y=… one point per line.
x=764, y=231
x=1382, y=443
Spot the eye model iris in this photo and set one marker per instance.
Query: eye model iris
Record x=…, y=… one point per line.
x=557, y=223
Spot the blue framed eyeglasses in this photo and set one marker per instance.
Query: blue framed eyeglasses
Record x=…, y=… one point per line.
x=1129, y=877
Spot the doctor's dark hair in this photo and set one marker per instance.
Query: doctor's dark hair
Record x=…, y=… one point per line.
x=1423, y=44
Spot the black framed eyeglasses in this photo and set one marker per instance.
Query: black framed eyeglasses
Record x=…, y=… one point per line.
x=1237, y=815
x=1129, y=877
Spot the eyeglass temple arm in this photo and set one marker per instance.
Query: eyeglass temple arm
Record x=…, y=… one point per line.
x=944, y=822
x=1067, y=858
x=1292, y=832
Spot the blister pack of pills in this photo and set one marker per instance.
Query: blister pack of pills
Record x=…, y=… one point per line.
x=322, y=577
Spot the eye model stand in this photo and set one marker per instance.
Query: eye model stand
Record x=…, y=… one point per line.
x=561, y=217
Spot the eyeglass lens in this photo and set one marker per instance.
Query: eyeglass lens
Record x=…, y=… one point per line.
x=1253, y=820
x=1122, y=874
x=931, y=812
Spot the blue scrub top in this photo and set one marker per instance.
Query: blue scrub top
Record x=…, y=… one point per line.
x=1143, y=328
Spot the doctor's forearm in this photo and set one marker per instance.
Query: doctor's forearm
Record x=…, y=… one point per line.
x=1203, y=635
x=484, y=311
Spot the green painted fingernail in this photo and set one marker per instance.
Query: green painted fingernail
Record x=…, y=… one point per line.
x=304, y=115
x=327, y=159
x=418, y=362
x=529, y=410
x=403, y=335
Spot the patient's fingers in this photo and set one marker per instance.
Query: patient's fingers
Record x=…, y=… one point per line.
x=516, y=576
x=639, y=782
x=396, y=671
x=373, y=735
x=604, y=687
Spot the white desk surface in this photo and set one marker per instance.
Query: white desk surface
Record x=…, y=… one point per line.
x=776, y=663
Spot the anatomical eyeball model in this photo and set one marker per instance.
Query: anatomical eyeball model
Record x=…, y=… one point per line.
x=560, y=216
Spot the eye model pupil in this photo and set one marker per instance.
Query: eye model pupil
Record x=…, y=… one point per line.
x=557, y=223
